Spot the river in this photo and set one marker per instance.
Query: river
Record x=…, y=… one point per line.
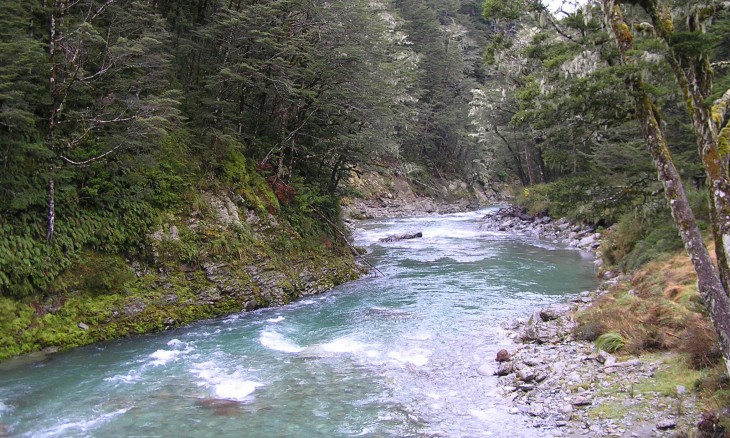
x=393, y=355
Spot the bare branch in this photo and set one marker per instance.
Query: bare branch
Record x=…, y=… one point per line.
x=90, y=160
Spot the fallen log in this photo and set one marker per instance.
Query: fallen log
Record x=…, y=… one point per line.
x=406, y=236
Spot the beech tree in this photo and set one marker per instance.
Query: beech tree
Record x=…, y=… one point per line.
x=689, y=49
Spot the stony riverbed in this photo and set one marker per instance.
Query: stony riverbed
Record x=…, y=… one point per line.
x=563, y=384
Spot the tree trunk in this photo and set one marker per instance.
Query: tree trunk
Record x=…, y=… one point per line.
x=541, y=166
x=709, y=284
x=693, y=73
x=530, y=165
x=51, y=210
x=57, y=10
x=515, y=157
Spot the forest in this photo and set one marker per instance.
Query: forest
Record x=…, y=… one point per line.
x=121, y=117
x=115, y=111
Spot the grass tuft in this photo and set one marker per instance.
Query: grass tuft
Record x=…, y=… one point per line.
x=610, y=342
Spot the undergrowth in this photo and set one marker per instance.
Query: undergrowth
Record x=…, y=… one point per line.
x=659, y=310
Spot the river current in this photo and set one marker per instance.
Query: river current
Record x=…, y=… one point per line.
x=393, y=355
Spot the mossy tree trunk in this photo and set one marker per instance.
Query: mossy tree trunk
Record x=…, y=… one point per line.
x=693, y=72
x=709, y=284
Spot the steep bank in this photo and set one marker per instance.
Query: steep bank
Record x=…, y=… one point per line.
x=391, y=192
x=221, y=256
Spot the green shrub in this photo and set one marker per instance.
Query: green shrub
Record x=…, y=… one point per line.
x=580, y=198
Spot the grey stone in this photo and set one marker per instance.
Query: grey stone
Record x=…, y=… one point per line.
x=527, y=387
x=537, y=409
x=666, y=424
x=602, y=356
x=504, y=369
x=532, y=362
x=581, y=401
x=83, y=326
x=526, y=374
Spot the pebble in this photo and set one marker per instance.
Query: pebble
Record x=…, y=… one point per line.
x=504, y=369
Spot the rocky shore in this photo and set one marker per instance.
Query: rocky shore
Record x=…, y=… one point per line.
x=386, y=207
x=564, y=385
x=514, y=220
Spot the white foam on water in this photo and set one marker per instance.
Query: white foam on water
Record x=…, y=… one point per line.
x=345, y=345
x=416, y=357
x=479, y=415
x=418, y=336
x=234, y=388
x=275, y=320
x=275, y=341
x=5, y=408
x=232, y=318
x=79, y=427
x=229, y=386
x=131, y=377
x=453, y=232
x=367, y=431
x=162, y=357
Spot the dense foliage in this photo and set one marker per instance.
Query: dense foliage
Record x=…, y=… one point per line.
x=114, y=112
x=559, y=113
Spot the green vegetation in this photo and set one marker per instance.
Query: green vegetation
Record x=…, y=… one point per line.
x=610, y=342
x=627, y=401
x=172, y=160
x=588, y=94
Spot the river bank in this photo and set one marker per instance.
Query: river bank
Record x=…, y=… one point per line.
x=568, y=387
x=565, y=385
x=220, y=257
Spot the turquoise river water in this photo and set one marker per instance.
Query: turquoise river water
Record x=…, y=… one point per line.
x=387, y=356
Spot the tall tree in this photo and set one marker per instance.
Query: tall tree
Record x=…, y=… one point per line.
x=709, y=281
x=689, y=54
